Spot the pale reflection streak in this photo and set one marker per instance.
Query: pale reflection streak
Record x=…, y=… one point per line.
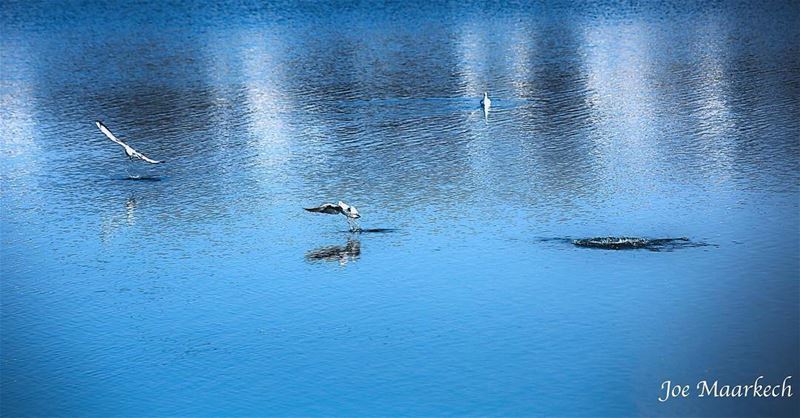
x=619, y=94
x=265, y=102
x=472, y=48
x=627, y=106
x=521, y=47
x=17, y=121
x=225, y=98
x=473, y=53
x=116, y=222
x=716, y=124
x=20, y=153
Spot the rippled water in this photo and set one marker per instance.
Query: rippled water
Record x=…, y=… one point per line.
x=208, y=290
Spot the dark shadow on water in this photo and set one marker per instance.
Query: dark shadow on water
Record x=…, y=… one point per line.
x=140, y=178
x=343, y=254
x=630, y=243
x=372, y=231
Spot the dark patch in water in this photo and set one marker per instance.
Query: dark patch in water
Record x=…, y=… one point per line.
x=634, y=243
x=373, y=231
x=142, y=178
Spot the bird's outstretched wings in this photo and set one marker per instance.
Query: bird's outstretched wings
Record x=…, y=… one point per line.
x=328, y=208
x=143, y=157
x=128, y=149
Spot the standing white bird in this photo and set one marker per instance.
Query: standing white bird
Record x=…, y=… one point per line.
x=486, y=102
x=130, y=152
x=341, y=208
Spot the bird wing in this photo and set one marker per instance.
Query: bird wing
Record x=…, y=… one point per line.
x=128, y=149
x=143, y=157
x=328, y=208
x=111, y=136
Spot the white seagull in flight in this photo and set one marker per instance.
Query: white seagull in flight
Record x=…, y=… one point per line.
x=349, y=212
x=132, y=153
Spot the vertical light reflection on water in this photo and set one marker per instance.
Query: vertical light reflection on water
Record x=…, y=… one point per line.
x=713, y=124
x=524, y=41
x=473, y=58
x=21, y=157
x=476, y=78
x=267, y=105
x=20, y=154
x=619, y=90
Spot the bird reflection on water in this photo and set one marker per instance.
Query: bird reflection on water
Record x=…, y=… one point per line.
x=350, y=251
x=116, y=222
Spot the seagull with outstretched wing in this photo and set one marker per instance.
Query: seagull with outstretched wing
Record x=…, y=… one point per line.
x=130, y=152
x=341, y=208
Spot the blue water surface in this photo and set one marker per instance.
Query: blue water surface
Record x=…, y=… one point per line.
x=207, y=290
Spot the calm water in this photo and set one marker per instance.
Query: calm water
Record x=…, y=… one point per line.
x=211, y=291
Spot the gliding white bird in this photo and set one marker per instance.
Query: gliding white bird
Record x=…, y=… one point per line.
x=130, y=152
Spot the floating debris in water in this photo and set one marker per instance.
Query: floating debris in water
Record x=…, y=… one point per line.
x=631, y=243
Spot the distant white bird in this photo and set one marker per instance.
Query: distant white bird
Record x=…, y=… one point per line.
x=350, y=212
x=486, y=102
x=130, y=152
